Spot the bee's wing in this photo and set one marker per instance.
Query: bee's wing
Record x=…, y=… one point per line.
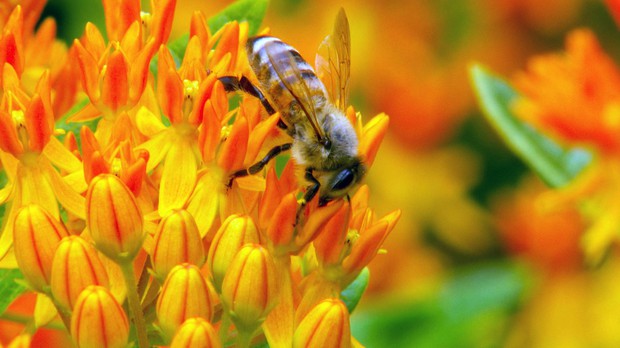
x=333, y=61
x=286, y=67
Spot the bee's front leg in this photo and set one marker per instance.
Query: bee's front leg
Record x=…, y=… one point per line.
x=258, y=166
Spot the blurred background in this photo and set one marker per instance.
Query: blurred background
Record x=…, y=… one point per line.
x=477, y=259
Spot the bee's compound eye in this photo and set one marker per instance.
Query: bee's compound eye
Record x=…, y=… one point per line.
x=344, y=179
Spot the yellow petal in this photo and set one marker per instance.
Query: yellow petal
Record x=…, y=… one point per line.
x=60, y=156
x=76, y=181
x=66, y=194
x=204, y=202
x=157, y=147
x=252, y=183
x=5, y=193
x=44, y=311
x=36, y=188
x=178, y=178
x=147, y=123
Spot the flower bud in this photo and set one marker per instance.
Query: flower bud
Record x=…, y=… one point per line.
x=76, y=265
x=98, y=320
x=35, y=239
x=236, y=231
x=114, y=218
x=185, y=294
x=249, y=290
x=177, y=240
x=326, y=325
x=196, y=333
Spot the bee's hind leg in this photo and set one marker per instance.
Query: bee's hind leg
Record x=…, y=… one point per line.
x=258, y=166
x=233, y=83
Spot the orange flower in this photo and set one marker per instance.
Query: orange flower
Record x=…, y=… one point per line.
x=575, y=95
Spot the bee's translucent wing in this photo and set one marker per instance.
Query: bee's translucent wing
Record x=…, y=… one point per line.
x=333, y=61
x=287, y=68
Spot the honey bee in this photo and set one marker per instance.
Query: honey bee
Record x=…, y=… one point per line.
x=323, y=140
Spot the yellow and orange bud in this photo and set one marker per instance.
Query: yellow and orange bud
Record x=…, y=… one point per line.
x=331, y=242
x=76, y=265
x=366, y=246
x=114, y=218
x=326, y=325
x=98, y=320
x=281, y=228
x=236, y=231
x=36, y=237
x=196, y=333
x=249, y=290
x=177, y=240
x=185, y=294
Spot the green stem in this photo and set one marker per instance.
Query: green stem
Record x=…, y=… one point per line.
x=224, y=327
x=244, y=338
x=134, y=303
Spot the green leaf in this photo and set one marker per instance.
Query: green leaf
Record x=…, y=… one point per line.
x=251, y=11
x=353, y=293
x=473, y=308
x=556, y=165
x=9, y=288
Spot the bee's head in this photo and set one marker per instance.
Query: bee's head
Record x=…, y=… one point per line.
x=339, y=183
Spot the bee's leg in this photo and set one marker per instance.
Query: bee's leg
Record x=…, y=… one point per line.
x=311, y=191
x=258, y=166
x=232, y=83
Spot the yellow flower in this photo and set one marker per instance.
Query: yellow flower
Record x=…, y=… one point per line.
x=76, y=265
x=196, y=333
x=327, y=325
x=114, y=218
x=185, y=294
x=37, y=235
x=98, y=320
x=177, y=241
x=234, y=233
x=249, y=290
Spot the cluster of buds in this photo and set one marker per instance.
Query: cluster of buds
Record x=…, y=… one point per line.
x=146, y=213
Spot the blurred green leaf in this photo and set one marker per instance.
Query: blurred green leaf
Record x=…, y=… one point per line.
x=353, y=293
x=9, y=288
x=251, y=11
x=556, y=165
x=472, y=309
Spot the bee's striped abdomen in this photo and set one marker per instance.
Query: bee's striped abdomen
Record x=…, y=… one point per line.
x=273, y=61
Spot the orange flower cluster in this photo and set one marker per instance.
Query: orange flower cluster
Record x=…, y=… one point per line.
x=141, y=211
x=575, y=97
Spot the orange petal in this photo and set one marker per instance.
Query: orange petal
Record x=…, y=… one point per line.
x=169, y=87
x=140, y=71
x=69, y=198
x=90, y=71
x=281, y=228
x=39, y=130
x=198, y=27
x=330, y=242
x=258, y=136
x=115, y=84
x=372, y=135
x=119, y=15
x=9, y=141
x=229, y=43
x=233, y=149
x=163, y=13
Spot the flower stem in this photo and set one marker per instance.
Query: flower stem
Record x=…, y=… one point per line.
x=134, y=303
x=224, y=327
